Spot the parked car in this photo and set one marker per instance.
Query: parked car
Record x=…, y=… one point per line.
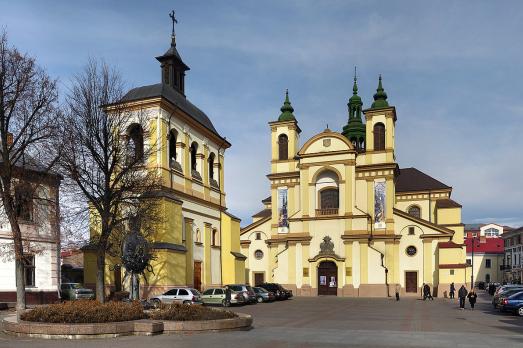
x=279, y=291
x=507, y=286
x=263, y=295
x=178, y=295
x=75, y=291
x=246, y=290
x=216, y=296
x=514, y=304
x=505, y=294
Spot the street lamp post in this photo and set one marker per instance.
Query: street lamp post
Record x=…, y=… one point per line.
x=472, y=263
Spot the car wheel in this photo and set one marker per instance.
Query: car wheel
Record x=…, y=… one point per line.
x=156, y=303
x=520, y=311
x=259, y=299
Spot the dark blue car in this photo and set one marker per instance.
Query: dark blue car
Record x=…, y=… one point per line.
x=513, y=303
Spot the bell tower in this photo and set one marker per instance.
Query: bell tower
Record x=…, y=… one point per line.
x=380, y=128
x=284, y=138
x=354, y=130
x=172, y=66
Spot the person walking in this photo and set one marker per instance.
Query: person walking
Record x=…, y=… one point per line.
x=397, y=292
x=462, y=294
x=227, y=296
x=452, y=290
x=472, y=298
x=426, y=292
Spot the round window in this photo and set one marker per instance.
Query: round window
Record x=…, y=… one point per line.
x=411, y=250
x=258, y=254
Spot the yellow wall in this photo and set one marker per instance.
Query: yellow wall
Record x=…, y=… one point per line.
x=233, y=269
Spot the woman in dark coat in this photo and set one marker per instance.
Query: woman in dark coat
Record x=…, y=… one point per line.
x=472, y=298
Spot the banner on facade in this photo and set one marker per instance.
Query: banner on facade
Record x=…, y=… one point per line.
x=379, y=204
x=283, y=222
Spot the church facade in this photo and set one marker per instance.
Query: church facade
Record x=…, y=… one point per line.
x=197, y=242
x=343, y=219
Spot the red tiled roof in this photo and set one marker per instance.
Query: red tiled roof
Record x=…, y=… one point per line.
x=449, y=245
x=489, y=245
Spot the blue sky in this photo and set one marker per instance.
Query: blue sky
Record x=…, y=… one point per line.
x=452, y=69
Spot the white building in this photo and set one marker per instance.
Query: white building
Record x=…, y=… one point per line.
x=513, y=255
x=37, y=195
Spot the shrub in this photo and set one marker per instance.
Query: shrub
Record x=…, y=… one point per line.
x=86, y=311
x=183, y=312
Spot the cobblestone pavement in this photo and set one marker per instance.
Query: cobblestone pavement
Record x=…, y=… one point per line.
x=337, y=322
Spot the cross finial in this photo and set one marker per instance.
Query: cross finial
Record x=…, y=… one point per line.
x=173, y=18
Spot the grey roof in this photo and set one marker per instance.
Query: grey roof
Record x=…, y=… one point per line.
x=411, y=179
x=175, y=98
x=173, y=52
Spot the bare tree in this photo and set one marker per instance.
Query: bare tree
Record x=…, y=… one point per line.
x=28, y=110
x=106, y=149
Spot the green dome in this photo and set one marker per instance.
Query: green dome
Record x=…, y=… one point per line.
x=354, y=130
x=286, y=110
x=380, y=98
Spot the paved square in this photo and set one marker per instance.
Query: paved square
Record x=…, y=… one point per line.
x=338, y=322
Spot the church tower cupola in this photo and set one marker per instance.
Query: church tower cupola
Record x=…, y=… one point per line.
x=172, y=66
x=380, y=98
x=286, y=110
x=354, y=130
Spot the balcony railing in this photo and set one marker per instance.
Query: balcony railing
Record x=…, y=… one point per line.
x=326, y=212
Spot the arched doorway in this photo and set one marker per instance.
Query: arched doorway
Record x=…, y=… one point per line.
x=327, y=278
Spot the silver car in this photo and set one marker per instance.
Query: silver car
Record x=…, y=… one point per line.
x=216, y=296
x=75, y=291
x=178, y=295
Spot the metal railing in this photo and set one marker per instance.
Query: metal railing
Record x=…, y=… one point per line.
x=328, y=211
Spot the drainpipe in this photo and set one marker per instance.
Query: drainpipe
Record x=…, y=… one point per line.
x=382, y=255
x=276, y=257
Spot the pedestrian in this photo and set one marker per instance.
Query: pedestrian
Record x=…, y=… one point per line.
x=397, y=292
x=462, y=294
x=426, y=292
x=227, y=296
x=423, y=293
x=472, y=298
x=452, y=290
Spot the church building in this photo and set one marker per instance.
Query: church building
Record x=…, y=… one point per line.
x=197, y=242
x=344, y=219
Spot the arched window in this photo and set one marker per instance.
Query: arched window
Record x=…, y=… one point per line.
x=379, y=137
x=24, y=203
x=194, y=150
x=172, y=146
x=215, y=237
x=415, y=211
x=283, y=146
x=211, y=166
x=197, y=236
x=327, y=189
x=135, y=143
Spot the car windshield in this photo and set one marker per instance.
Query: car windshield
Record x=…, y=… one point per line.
x=195, y=292
x=76, y=286
x=249, y=288
x=236, y=287
x=260, y=290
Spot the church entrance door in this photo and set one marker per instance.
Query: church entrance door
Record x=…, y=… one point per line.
x=411, y=282
x=327, y=278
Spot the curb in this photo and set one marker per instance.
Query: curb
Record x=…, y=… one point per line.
x=143, y=327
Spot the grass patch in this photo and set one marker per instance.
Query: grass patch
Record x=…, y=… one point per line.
x=181, y=312
x=85, y=311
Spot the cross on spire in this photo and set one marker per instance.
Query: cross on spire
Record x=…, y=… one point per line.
x=174, y=20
